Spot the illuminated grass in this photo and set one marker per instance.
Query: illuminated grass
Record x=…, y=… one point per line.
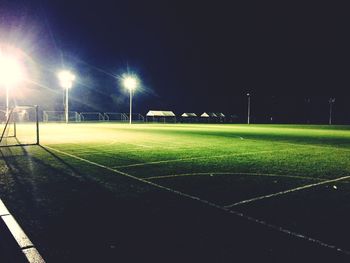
x=45, y=188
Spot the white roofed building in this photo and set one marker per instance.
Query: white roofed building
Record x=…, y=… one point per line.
x=160, y=116
x=212, y=117
x=221, y=116
x=189, y=117
x=205, y=117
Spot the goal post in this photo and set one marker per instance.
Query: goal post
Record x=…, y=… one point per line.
x=135, y=117
x=20, y=127
x=92, y=116
x=59, y=116
x=115, y=116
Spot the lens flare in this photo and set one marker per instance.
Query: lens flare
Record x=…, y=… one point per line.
x=66, y=79
x=11, y=70
x=130, y=82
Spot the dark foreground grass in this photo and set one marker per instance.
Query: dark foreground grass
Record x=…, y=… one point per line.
x=75, y=211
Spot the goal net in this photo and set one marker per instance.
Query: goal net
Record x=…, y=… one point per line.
x=59, y=116
x=91, y=116
x=115, y=116
x=135, y=117
x=19, y=126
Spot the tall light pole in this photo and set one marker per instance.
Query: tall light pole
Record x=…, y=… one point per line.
x=11, y=73
x=7, y=101
x=248, y=113
x=308, y=109
x=130, y=82
x=331, y=102
x=66, y=79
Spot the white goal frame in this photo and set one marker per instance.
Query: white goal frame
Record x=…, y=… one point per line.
x=12, y=120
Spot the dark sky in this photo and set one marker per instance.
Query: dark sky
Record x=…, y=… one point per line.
x=191, y=55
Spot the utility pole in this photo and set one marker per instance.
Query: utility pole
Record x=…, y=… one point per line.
x=331, y=102
x=248, y=117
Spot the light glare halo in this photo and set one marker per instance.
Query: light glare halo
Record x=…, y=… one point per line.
x=11, y=71
x=66, y=79
x=130, y=82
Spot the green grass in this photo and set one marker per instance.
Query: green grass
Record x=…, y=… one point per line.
x=55, y=195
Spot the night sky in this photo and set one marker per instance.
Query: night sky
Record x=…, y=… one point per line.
x=191, y=56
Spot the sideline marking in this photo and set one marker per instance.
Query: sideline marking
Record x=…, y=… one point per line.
x=288, y=191
x=198, y=158
x=235, y=173
x=24, y=243
x=17, y=232
x=249, y=218
x=138, y=147
x=3, y=209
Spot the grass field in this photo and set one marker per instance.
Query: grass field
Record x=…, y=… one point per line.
x=103, y=192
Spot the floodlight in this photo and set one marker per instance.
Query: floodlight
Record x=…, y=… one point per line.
x=66, y=79
x=130, y=82
x=11, y=71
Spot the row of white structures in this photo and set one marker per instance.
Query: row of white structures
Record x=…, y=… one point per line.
x=155, y=115
x=152, y=115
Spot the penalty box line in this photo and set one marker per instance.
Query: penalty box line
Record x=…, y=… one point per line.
x=199, y=158
x=233, y=173
x=211, y=204
x=288, y=191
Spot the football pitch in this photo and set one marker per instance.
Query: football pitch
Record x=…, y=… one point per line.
x=108, y=192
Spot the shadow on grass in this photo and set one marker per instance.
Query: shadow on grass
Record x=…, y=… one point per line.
x=72, y=217
x=57, y=205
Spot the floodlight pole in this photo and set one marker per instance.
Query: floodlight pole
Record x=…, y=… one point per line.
x=130, y=117
x=66, y=81
x=66, y=106
x=37, y=124
x=331, y=101
x=7, y=102
x=330, y=113
x=248, y=118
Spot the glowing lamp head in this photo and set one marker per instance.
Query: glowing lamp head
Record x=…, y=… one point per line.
x=130, y=82
x=66, y=79
x=11, y=71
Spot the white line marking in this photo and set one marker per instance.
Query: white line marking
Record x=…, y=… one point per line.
x=27, y=247
x=288, y=191
x=137, y=148
x=32, y=255
x=277, y=228
x=235, y=173
x=3, y=209
x=92, y=150
x=17, y=232
x=198, y=158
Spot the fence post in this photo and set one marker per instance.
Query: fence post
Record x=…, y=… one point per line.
x=37, y=124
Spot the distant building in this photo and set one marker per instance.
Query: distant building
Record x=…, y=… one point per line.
x=160, y=116
x=205, y=117
x=221, y=116
x=189, y=117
